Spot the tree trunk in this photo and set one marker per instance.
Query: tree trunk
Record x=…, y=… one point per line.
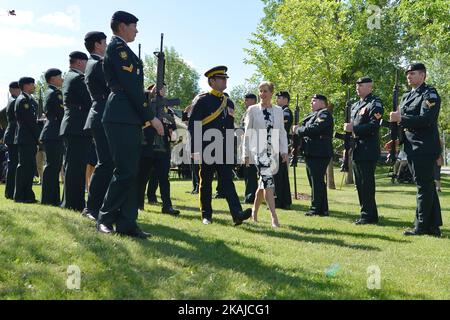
x=330, y=176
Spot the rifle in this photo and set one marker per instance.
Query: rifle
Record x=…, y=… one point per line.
x=394, y=125
x=295, y=147
x=40, y=110
x=158, y=103
x=347, y=137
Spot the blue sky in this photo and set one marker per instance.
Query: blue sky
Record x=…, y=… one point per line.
x=205, y=33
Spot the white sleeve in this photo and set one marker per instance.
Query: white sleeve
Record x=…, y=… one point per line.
x=283, y=137
x=248, y=125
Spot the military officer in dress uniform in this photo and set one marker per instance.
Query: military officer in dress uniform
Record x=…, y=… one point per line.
x=53, y=145
x=316, y=133
x=365, y=127
x=125, y=114
x=418, y=120
x=250, y=171
x=77, y=103
x=214, y=110
x=8, y=140
x=283, y=198
x=27, y=139
x=95, y=43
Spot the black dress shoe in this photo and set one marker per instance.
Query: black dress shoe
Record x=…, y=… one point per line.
x=194, y=191
x=89, y=214
x=171, y=211
x=362, y=222
x=414, y=232
x=102, y=228
x=137, y=233
x=241, y=217
x=153, y=201
x=435, y=232
x=311, y=214
x=30, y=201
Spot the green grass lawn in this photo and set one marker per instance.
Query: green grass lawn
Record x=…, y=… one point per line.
x=307, y=258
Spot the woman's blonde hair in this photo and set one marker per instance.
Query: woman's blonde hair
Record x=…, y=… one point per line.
x=267, y=84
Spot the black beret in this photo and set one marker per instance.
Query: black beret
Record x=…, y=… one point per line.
x=284, y=94
x=320, y=97
x=52, y=73
x=220, y=71
x=364, y=80
x=25, y=80
x=14, y=85
x=94, y=36
x=416, y=67
x=124, y=17
x=78, y=55
x=250, y=96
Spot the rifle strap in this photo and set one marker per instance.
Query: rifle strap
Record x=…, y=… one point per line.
x=217, y=113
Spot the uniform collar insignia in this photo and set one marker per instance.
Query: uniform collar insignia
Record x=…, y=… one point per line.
x=216, y=93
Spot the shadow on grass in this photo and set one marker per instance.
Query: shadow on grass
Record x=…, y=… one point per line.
x=333, y=232
x=383, y=220
x=280, y=233
x=118, y=270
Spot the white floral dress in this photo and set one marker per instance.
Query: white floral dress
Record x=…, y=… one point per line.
x=264, y=158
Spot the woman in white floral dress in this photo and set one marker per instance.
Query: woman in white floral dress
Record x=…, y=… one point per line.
x=265, y=139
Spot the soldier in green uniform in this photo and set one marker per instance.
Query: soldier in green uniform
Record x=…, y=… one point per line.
x=283, y=199
x=95, y=43
x=250, y=171
x=155, y=157
x=53, y=145
x=27, y=139
x=125, y=114
x=8, y=140
x=365, y=127
x=77, y=103
x=316, y=132
x=418, y=120
x=214, y=110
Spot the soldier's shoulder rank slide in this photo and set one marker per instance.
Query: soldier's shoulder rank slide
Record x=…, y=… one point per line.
x=26, y=106
x=430, y=104
x=128, y=68
x=123, y=55
x=60, y=97
x=322, y=117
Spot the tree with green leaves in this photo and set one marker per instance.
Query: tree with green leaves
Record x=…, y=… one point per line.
x=313, y=46
x=237, y=96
